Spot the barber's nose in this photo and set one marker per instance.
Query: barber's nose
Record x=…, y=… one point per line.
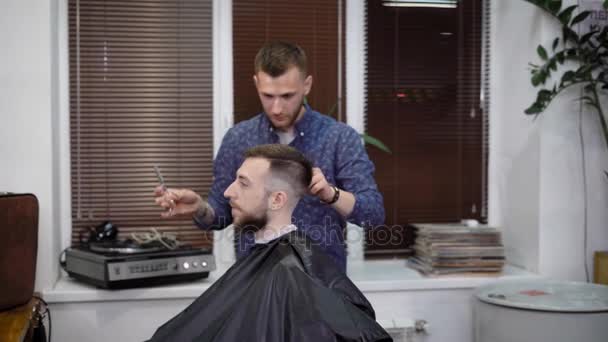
x=277, y=106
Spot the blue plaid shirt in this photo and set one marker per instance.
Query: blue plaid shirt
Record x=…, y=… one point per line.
x=332, y=146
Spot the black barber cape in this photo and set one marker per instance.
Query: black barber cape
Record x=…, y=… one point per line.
x=286, y=290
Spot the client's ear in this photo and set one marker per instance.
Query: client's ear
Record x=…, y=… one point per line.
x=278, y=200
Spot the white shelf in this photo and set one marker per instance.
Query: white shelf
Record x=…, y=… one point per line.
x=369, y=276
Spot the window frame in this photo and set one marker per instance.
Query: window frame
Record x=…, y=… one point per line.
x=354, y=54
x=222, y=104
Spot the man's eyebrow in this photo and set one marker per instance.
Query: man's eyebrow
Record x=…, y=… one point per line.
x=243, y=178
x=289, y=93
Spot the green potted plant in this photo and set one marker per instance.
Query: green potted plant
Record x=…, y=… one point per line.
x=583, y=59
x=368, y=139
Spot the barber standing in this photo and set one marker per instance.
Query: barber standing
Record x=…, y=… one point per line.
x=342, y=188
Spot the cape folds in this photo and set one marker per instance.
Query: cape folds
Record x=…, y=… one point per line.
x=286, y=290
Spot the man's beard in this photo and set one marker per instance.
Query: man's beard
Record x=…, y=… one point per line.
x=251, y=224
x=294, y=116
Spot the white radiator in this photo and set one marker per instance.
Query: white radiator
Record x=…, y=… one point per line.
x=405, y=329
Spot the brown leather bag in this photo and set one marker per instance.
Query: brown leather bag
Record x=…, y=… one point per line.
x=18, y=248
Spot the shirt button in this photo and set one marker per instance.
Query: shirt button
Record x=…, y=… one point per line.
x=301, y=134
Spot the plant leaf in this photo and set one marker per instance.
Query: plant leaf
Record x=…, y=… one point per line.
x=580, y=17
x=536, y=79
x=333, y=108
x=589, y=88
x=553, y=65
x=570, y=35
x=542, y=52
x=554, y=6
x=606, y=4
x=587, y=36
x=544, y=95
x=566, y=14
x=375, y=142
x=567, y=77
x=535, y=108
x=555, y=43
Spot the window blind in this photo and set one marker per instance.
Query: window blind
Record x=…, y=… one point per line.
x=424, y=81
x=314, y=25
x=140, y=95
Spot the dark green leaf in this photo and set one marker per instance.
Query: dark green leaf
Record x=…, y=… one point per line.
x=580, y=17
x=568, y=76
x=536, y=79
x=560, y=57
x=589, y=88
x=602, y=35
x=583, y=71
x=375, y=142
x=333, y=108
x=570, y=35
x=566, y=14
x=587, y=36
x=554, y=6
x=555, y=43
x=542, y=52
x=543, y=76
x=553, y=65
x=544, y=96
x=535, y=108
x=606, y=4
x=571, y=53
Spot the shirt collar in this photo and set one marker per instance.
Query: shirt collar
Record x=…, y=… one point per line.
x=301, y=127
x=271, y=235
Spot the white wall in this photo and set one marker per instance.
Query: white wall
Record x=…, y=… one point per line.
x=514, y=138
x=537, y=192
x=27, y=114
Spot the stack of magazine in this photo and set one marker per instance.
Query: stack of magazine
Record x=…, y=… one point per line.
x=456, y=248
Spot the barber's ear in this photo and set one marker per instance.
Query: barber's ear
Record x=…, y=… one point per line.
x=307, y=84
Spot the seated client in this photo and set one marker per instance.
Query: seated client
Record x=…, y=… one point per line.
x=287, y=288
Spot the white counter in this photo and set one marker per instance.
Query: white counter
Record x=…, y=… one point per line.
x=369, y=276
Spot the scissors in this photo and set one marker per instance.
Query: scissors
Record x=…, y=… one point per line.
x=161, y=180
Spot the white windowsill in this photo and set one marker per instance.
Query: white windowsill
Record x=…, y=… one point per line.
x=369, y=276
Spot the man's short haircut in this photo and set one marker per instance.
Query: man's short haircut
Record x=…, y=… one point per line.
x=287, y=164
x=275, y=58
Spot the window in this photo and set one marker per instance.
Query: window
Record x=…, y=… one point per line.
x=314, y=25
x=140, y=95
x=423, y=100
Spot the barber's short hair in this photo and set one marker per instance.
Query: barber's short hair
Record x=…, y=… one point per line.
x=286, y=163
x=275, y=58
